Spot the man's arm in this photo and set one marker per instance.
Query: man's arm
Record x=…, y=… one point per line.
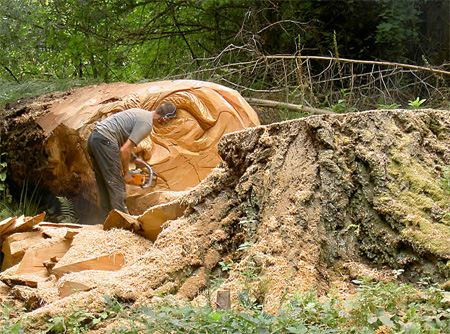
x=125, y=157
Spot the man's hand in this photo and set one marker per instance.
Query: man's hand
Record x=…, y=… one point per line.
x=139, y=163
x=128, y=178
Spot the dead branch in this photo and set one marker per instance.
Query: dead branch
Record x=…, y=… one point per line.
x=289, y=106
x=370, y=62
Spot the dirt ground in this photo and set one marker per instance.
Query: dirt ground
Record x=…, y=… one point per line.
x=306, y=204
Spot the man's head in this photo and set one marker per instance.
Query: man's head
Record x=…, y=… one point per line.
x=166, y=112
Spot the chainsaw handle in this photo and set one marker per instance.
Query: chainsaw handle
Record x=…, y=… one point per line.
x=150, y=182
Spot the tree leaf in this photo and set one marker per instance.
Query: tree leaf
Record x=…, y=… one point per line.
x=385, y=320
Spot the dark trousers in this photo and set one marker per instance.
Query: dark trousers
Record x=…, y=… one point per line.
x=105, y=157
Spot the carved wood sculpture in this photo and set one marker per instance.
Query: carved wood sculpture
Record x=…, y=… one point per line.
x=181, y=153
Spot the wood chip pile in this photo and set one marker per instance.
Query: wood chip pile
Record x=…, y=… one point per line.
x=41, y=260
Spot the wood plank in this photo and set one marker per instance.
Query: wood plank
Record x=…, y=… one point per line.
x=54, y=230
x=24, y=224
x=5, y=223
x=15, y=246
x=152, y=220
x=34, y=258
x=118, y=219
x=105, y=262
x=31, y=281
x=62, y=225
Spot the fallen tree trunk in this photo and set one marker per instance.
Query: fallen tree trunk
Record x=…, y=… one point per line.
x=45, y=138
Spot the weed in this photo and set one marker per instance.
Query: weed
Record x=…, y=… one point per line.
x=250, y=226
x=245, y=246
x=68, y=214
x=3, y=168
x=8, y=325
x=386, y=307
x=216, y=282
x=389, y=106
x=342, y=105
x=227, y=266
x=416, y=104
x=248, y=301
x=27, y=205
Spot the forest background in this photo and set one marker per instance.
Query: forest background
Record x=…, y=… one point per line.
x=341, y=55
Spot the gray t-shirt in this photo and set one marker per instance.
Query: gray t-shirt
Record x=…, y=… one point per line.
x=134, y=124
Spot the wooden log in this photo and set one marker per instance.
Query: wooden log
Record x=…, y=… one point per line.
x=182, y=153
x=70, y=234
x=49, y=264
x=15, y=246
x=69, y=231
x=105, y=262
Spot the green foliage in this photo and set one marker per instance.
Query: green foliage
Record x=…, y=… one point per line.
x=389, y=106
x=137, y=40
x=248, y=301
x=225, y=266
x=28, y=204
x=11, y=91
x=343, y=104
x=417, y=103
x=68, y=214
x=3, y=168
x=399, y=307
x=398, y=25
x=8, y=325
x=245, y=246
x=392, y=306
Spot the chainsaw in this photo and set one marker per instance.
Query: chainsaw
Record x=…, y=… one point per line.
x=144, y=176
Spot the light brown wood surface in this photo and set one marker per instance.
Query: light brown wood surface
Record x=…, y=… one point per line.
x=15, y=246
x=182, y=152
x=34, y=258
x=68, y=288
x=104, y=262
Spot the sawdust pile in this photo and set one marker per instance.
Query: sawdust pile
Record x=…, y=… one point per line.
x=298, y=205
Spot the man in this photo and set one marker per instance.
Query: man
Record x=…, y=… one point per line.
x=110, y=147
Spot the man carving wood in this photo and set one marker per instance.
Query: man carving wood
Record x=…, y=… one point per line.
x=111, y=145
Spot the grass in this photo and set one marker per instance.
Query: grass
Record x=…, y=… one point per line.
x=28, y=204
x=378, y=307
x=11, y=91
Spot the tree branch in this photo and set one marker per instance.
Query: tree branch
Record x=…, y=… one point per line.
x=10, y=72
x=289, y=106
x=369, y=62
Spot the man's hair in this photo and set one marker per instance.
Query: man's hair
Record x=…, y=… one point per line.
x=167, y=110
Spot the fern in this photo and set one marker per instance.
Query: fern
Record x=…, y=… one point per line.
x=68, y=214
